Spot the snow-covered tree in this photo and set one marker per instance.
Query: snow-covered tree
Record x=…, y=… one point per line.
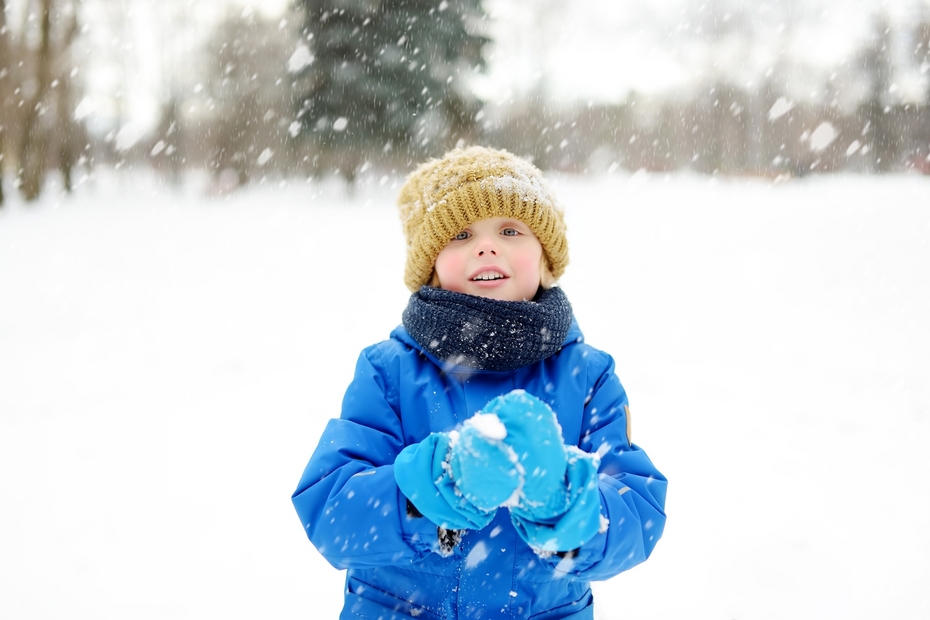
x=386, y=77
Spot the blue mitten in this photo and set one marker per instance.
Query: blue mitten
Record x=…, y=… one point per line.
x=422, y=472
x=458, y=479
x=559, y=505
x=484, y=468
x=581, y=520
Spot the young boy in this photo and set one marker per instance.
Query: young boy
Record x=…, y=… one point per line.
x=482, y=466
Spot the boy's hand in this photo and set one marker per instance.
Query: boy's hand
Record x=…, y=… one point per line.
x=485, y=469
x=423, y=474
x=511, y=454
x=534, y=434
x=559, y=504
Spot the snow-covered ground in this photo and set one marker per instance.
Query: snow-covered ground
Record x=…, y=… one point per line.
x=168, y=360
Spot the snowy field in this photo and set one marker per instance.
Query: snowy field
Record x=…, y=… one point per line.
x=169, y=359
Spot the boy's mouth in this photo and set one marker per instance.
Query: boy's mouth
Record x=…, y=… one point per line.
x=488, y=275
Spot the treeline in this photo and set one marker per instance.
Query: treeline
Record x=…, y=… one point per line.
x=728, y=131
x=351, y=87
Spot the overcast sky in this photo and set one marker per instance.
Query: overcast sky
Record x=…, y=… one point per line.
x=601, y=50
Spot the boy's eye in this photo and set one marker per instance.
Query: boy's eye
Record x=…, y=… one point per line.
x=462, y=236
x=510, y=232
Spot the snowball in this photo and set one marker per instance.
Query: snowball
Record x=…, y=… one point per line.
x=488, y=426
x=340, y=123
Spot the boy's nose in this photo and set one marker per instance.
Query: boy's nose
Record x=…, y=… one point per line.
x=486, y=245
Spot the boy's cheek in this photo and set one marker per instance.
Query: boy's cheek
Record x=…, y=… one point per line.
x=528, y=267
x=449, y=270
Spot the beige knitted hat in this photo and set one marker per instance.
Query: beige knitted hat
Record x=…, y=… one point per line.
x=444, y=196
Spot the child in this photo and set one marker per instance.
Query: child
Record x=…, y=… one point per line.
x=482, y=466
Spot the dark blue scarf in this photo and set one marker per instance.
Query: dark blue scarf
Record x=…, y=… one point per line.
x=487, y=334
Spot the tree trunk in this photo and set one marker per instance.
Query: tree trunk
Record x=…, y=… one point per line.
x=5, y=66
x=34, y=141
x=67, y=129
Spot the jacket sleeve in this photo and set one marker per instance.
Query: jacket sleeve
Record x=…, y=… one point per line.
x=347, y=499
x=632, y=489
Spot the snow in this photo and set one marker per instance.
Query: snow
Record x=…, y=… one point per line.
x=477, y=555
x=264, y=157
x=781, y=107
x=128, y=136
x=168, y=361
x=823, y=136
x=299, y=59
x=488, y=426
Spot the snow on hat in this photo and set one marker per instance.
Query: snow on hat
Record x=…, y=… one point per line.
x=444, y=196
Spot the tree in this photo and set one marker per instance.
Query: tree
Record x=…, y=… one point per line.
x=6, y=66
x=252, y=102
x=876, y=65
x=920, y=52
x=387, y=76
x=45, y=121
x=34, y=140
x=67, y=132
x=921, y=35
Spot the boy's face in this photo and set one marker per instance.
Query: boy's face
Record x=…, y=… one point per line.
x=498, y=258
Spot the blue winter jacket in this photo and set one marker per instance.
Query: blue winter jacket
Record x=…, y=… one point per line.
x=357, y=518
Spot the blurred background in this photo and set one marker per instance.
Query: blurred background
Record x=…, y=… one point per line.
x=243, y=92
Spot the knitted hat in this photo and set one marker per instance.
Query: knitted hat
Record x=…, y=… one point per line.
x=444, y=196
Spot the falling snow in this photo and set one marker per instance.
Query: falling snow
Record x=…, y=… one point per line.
x=823, y=136
x=781, y=107
x=299, y=59
x=264, y=157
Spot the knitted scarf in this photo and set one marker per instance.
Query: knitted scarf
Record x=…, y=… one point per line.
x=487, y=334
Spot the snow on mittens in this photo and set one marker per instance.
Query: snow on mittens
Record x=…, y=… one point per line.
x=485, y=469
x=509, y=455
x=558, y=506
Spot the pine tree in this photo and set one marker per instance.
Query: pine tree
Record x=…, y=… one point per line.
x=384, y=74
